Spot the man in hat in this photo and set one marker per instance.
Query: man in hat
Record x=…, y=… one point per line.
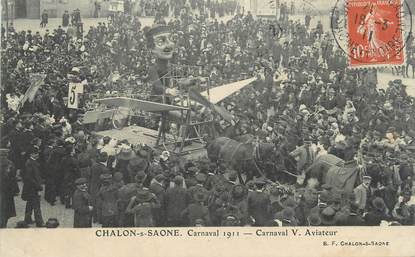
x=259, y=204
x=125, y=193
x=157, y=187
x=44, y=19
x=310, y=196
x=97, y=169
x=215, y=175
x=135, y=165
x=107, y=201
x=197, y=209
x=25, y=137
x=17, y=146
x=32, y=185
x=239, y=199
x=82, y=205
x=54, y=183
x=328, y=216
x=125, y=155
x=354, y=218
x=200, y=180
x=362, y=193
x=325, y=199
x=287, y=217
x=231, y=181
x=378, y=213
x=175, y=200
x=142, y=205
x=70, y=173
x=65, y=19
x=305, y=155
x=9, y=189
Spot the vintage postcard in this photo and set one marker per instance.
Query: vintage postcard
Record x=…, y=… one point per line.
x=207, y=128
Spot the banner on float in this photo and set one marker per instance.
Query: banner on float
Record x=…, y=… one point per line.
x=36, y=80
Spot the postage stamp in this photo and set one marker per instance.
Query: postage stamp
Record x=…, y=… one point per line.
x=375, y=32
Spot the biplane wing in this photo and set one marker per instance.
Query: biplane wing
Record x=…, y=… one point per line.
x=143, y=105
x=93, y=116
x=219, y=93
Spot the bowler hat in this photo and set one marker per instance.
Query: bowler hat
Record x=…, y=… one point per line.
x=84, y=160
x=391, y=130
x=118, y=177
x=289, y=202
x=219, y=187
x=397, y=81
x=102, y=157
x=157, y=29
x=137, y=164
x=367, y=178
x=160, y=177
x=250, y=185
x=328, y=216
x=105, y=176
x=288, y=213
x=239, y=192
x=140, y=176
x=199, y=222
x=21, y=224
x=326, y=187
x=314, y=219
x=233, y=175
x=378, y=204
x=143, y=195
x=81, y=181
x=200, y=177
x=52, y=223
x=192, y=169
x=199, y=196
x=126, y=153
x=259, y=181
x=33, y=150
x=325, y=197
x=178, y=180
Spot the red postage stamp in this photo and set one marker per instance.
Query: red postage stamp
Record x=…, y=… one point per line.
x=375, y=33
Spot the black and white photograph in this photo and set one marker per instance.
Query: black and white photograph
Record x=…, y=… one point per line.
x=207, y=113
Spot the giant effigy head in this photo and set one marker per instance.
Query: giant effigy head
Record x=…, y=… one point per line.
x=159, y=41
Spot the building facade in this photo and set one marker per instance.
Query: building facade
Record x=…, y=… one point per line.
x=32, y=9
x=56, y=8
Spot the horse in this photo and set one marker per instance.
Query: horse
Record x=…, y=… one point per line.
x=254, y=159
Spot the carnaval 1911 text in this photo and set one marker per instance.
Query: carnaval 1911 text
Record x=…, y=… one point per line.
x=212, y=232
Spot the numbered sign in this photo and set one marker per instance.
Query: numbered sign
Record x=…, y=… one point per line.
x=73, y=94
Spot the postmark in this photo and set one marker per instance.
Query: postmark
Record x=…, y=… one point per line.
x=373, y=33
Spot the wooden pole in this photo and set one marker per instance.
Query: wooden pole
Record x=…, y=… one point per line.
x=6, y=3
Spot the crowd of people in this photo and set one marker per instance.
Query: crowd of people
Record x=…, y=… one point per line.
x=305, y=98
x=175, y=8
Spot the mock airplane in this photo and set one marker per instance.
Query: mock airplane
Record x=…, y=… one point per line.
x=175, y=112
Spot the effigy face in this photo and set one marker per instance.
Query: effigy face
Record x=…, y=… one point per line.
x=163, y=46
